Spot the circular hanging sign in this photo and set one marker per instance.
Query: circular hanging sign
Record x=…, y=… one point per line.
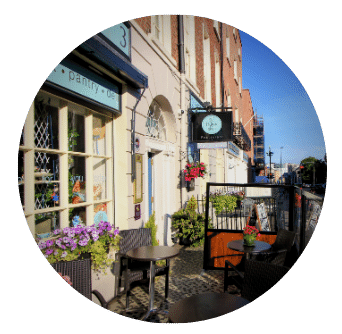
x=211, y=124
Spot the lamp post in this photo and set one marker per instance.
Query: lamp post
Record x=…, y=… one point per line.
x=269, y=153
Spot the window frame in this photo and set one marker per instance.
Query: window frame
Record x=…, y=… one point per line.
x=29, y=149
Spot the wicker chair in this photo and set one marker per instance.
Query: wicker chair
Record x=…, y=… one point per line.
x=79, y=272
x=260, y=277
x=274, y=257
x=137, y=272
x=284, y=239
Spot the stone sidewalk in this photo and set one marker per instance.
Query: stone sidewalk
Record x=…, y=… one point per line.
x=186, y=279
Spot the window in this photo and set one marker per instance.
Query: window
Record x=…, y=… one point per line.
x=161, y=30
x=228, y=46
x=216, y=29
x=217, y=80
x=236, y=71
x=65, y=165
x=190, y=51
x=207, y=66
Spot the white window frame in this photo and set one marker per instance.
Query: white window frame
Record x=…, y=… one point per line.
x=206, y=65
x=28, y=148
x=161, y=30
x=190, y=48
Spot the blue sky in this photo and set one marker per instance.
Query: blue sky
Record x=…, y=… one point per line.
x=290, y=119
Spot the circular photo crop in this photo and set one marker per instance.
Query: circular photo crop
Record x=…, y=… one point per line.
x=172, y=168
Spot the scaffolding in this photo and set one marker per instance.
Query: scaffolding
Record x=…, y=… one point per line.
x=259, y=144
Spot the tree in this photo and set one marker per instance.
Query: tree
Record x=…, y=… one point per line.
x=314, y=171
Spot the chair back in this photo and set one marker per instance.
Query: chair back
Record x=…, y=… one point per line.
x=79, y=272
x=284, y=239
x=260, y=277
x=134, y=238
x=276, y=257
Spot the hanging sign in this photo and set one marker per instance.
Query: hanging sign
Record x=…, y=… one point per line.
x=211, y=127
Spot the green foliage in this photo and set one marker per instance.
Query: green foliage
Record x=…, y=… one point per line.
x=151, y=223
x=224, y=202
x=314, y=171
x=189, y=223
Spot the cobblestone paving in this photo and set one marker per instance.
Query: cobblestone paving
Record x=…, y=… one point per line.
x=186, y=279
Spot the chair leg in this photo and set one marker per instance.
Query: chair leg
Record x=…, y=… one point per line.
x=128, y=293
x=167, y=284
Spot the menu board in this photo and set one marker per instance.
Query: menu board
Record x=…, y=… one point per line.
x=262, y=218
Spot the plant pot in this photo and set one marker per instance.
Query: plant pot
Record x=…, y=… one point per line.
x=249, y=241
x=184, y=241
x=190, y=185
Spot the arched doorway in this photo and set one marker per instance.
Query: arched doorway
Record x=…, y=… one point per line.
x=160, y=179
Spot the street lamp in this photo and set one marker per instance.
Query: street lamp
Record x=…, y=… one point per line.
x=269, y=153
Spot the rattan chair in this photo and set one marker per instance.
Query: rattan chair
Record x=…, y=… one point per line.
x=274, y=257
x=260, y=277
x=133, y=272
x=284, y=239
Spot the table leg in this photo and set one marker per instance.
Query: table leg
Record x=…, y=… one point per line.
x=151, y=291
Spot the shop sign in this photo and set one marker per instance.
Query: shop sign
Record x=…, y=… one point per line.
x=85, y=83
x=212, y=145
x=232, y=148
x=120, y=36
x=211, y=127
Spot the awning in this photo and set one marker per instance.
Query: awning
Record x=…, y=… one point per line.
x=96, y=47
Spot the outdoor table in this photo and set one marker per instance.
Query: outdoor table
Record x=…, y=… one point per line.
x=152, y=254
x=204, y=306
x=258, y=247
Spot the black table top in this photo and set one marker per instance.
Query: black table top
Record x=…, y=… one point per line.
x=258, y=247
x=205, y=306
x=152, y=253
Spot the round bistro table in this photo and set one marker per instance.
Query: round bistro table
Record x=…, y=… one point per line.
x=204, y=306
x=152, y=254
x=258, y=247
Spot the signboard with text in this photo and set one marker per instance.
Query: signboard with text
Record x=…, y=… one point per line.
x=211, y=127
x=84, y=83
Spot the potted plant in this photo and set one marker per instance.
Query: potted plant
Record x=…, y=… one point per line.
x=223, y=201
x=73, y=243
x=189, y=224
x=192, y=171
x=250, y=233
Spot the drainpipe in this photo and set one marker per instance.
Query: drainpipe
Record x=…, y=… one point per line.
x=133, y=135
x=182, y=98
x=222, y=99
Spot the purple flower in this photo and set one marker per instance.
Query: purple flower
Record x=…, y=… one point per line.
x=49, y=251
x=56, y=252
x=42, y=245
x=55, y=232
x=64, y=254
x=49, y=243
x=71, y=233
x=83, y=242
x=116, y=231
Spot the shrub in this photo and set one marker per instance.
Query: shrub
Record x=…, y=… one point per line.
x=189, y=223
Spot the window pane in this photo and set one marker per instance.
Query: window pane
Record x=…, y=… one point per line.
x=99, y=135
x=78, y=216
x=99, y=170
x=76, y=126
x=46, y=223
x=100, y=213
x=46, y=178
x=77, y=180
x=45, y=124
